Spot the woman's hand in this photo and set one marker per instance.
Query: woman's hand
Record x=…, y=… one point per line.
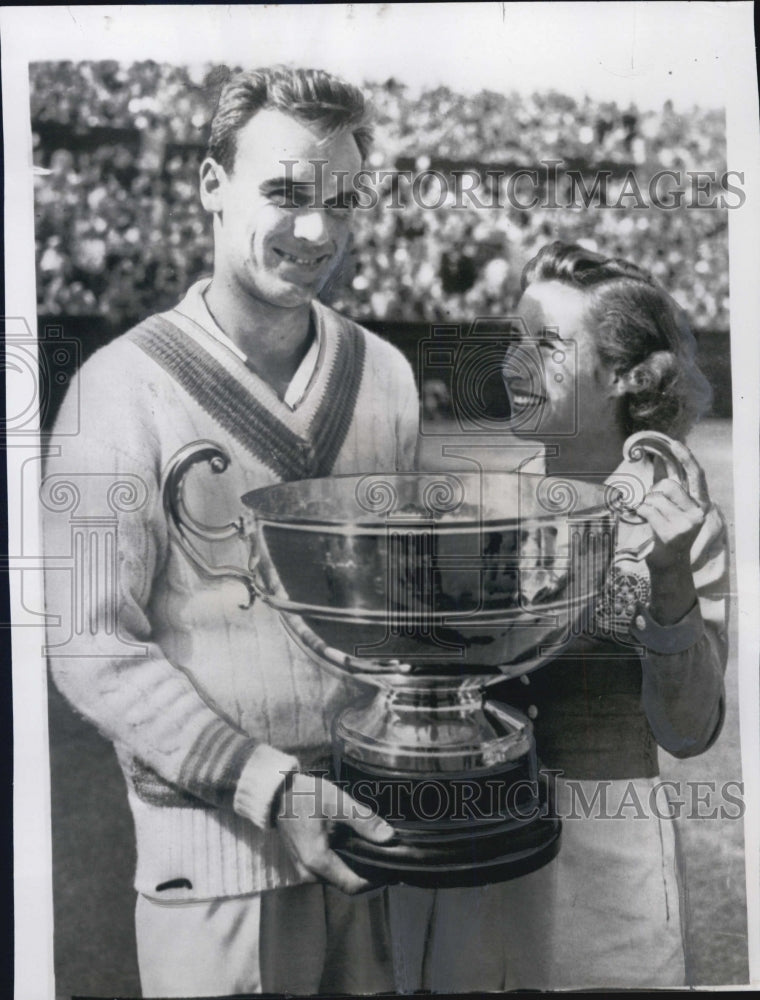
x=676, y=519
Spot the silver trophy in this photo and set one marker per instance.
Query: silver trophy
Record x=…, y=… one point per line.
x=429, y=588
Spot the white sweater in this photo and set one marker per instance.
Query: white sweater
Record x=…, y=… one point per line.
x=210, y=704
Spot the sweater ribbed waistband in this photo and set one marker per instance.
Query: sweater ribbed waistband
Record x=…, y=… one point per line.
x=206, y=853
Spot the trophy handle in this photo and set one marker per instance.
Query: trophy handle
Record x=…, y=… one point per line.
x=183, y=526
x=679, y=464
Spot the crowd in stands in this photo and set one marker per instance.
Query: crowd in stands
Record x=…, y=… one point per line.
x=120, y=230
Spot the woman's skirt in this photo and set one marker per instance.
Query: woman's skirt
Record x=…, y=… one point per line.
x=606, y=913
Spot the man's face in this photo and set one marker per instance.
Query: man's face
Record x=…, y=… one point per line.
x=281, y=223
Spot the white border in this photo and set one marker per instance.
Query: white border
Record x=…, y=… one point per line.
x=513, y=40
x=744, y=267
x=33, y=893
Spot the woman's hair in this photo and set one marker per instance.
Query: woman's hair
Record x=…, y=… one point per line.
x=639, y=331
x=311, y=96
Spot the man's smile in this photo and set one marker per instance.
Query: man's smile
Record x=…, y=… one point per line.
x=309, y=261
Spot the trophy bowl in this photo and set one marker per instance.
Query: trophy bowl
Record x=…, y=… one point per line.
x=429, y=587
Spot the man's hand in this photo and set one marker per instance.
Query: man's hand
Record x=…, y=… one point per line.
x=675, y=519
x=307, y=813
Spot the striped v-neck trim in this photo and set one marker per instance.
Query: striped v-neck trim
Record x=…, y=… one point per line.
x=248, y=378
x=193, y=314
x=237, y=407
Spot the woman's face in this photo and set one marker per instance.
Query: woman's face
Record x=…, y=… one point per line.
x=557, y=384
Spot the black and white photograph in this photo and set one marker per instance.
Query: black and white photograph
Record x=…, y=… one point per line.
x=382, y=421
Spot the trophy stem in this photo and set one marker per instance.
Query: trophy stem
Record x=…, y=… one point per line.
x=425, y=727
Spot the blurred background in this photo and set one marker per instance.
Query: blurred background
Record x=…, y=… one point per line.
x=120, y=234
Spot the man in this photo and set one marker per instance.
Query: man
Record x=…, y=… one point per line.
x=214, y=713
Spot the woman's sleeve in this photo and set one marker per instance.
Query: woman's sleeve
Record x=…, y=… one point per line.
x=683, y=665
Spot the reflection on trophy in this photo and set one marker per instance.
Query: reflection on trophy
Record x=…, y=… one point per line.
x=429, y=588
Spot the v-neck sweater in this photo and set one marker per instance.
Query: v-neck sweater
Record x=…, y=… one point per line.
x=208, y=704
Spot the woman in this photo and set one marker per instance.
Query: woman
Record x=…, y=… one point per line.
x=604, y=352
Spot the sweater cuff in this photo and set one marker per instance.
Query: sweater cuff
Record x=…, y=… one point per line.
x=259, y=781
x=668, y=639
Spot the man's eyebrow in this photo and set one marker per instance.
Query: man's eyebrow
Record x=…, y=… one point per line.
x=302, y=193
x=293, y=190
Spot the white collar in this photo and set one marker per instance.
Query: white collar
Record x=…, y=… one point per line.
x=193, y=305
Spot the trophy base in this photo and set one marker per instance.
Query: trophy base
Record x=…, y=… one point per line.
x=479, y=858
x=453, y=854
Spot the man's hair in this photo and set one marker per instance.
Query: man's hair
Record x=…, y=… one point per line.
x=639, y=330
x=311, y=96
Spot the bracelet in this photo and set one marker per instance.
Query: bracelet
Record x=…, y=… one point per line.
x=667, y=639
